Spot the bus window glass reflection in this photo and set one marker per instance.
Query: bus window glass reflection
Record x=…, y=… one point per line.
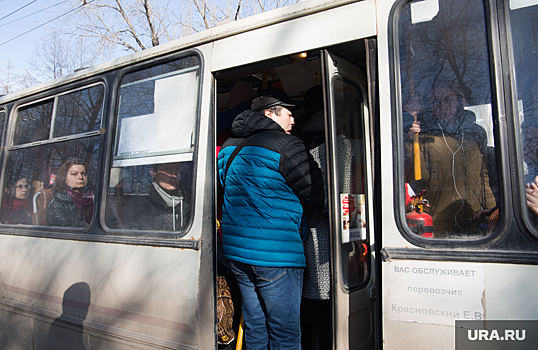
x=41, y=166
x=40, y=163
x=33, y=123
x=348, y=106
x=450, y=171
x=85, y=102
x=151, y=176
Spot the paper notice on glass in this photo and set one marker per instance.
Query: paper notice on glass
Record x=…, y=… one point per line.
x=170, y=128
x=518, y=4
x=353, y=217
x=134, y=133
x=424, y=11
x=175, y=106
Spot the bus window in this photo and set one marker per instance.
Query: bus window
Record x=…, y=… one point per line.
x=525, y=47
x=34, y=122
x=450, y=170
x=51, y=181
x=348, y=105
x=151, y=178
x=85, y=103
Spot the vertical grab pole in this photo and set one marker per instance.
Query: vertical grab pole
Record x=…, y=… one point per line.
x=239, y=342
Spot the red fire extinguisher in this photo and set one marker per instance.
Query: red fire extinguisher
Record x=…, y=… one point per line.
x=418, y=221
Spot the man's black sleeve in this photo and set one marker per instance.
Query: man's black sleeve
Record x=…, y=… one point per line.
x=303, y=174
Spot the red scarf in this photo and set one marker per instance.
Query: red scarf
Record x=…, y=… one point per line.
x=16, y=204
x=11, y=205
x=84, y=203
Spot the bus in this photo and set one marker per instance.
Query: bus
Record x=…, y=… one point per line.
x=435, y=99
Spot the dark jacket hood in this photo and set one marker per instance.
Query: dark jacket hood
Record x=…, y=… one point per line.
x=250, y=122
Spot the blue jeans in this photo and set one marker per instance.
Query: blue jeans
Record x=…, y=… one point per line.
x=271, y=305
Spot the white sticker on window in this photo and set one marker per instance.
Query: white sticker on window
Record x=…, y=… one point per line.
x=353, y=217
x=134, y=135
x=424, y=11
x=518, y=4
x=175, y=103
x=168, y=130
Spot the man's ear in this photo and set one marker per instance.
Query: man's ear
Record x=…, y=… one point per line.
x=268, y=113
x=152, y=172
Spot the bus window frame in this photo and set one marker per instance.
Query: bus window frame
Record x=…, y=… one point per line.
x=94, y=232
x=53, y=231
x=501, y=151
x=514, y=129
x=52, y=139
x=3, y=133
x=333, y=135
x=3, y=110
x=156, y=238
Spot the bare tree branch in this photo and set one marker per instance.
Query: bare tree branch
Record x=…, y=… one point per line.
x=101, y=28
x=147, y=11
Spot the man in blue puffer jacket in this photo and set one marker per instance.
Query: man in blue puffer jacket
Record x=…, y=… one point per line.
x=265, y=185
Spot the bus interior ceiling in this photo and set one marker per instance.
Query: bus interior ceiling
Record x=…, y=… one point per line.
x=297, y=72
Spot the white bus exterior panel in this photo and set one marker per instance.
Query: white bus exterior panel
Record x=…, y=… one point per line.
x=391, y=237
x=141, y=294
x=423, y=299
x=17, y=330
x=147, y=290
x=41, y=332
x=511, y=292
x=408, y=324
x=298, y=35
x=399, y=335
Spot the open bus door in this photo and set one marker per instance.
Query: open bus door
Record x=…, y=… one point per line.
x=350, y=177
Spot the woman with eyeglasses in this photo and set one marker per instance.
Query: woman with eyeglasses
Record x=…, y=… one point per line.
x=72, y=205
x=17, y=203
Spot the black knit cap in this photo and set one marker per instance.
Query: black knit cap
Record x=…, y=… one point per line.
x=269, y=98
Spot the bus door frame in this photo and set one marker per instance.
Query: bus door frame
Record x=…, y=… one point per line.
x=355, y=311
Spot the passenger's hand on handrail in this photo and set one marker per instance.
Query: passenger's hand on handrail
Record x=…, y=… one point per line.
x=414, y=129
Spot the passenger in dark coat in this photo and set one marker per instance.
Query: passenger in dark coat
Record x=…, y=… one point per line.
x=165, y=208
x=72, y=205
x=453, y=163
